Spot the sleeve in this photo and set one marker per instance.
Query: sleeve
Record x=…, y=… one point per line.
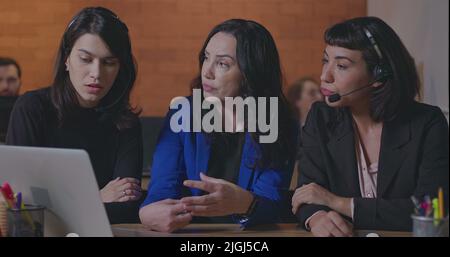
x=271, y=190
x=168, y=168
x=129, y=154
x=307, y=221
x=432, y=174
x=128, y=164
x=311, y=165
x=26, y=126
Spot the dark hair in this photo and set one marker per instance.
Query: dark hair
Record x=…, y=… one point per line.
x=4, y=61
x=259, y=63
x=115, y=105
x=295, y=91
x=401, y=87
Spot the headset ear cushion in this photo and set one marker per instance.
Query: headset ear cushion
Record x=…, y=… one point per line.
x=381, y=74
x=376, y=72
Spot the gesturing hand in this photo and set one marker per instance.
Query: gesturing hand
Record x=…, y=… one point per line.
x=223, y=198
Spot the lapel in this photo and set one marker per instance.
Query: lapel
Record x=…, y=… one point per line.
x=202, y=153
x=341, y=147
x=396, y=134
x=248, y=158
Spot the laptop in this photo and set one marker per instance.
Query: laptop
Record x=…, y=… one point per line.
x=63, y=181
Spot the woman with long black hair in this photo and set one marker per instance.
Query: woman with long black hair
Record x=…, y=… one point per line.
x=87, y=107
x=225, y=177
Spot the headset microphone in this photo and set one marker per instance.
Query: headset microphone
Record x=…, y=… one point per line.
x=336, y=97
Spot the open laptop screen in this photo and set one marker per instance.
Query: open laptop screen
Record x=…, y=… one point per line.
x=63, y=181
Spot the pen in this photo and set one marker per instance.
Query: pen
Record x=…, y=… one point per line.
x=436, y=211
x=416, y=204
x=8, y=190
x=429, y=207
x=26, y=214
x=7, y=194
x=441, y=202
x=423, y=208
x=19, y=200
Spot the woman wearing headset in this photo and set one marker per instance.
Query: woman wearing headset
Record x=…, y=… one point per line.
x=371, y=146
x=87, y=107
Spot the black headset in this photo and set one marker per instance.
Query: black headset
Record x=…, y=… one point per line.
x=381, y=71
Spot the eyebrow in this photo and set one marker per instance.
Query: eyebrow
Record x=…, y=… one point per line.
x=222, y=55
x=340, y=57
x=89, y=53
x=344, y=58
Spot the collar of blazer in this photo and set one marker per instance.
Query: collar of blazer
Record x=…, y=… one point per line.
x=395, y=135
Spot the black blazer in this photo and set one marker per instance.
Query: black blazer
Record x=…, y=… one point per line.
x=413, y=161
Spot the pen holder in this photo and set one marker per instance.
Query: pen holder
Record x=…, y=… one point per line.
x=26, y=222
x=429, y=227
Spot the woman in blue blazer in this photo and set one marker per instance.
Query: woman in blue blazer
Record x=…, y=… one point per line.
x=225, y=177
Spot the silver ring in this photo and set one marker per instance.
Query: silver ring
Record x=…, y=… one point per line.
x=124, y=193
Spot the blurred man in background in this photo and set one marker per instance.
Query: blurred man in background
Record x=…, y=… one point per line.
x=10, y=81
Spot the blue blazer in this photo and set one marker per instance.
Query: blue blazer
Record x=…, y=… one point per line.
x=183, y=155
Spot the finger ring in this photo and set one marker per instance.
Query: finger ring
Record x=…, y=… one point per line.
x=124, y=193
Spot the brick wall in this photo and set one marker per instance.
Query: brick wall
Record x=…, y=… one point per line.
x=167, y=35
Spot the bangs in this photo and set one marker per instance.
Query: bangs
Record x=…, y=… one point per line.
x=347, y=36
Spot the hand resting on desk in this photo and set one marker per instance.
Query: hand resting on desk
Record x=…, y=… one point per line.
x=121, y=190
x=165, y=216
